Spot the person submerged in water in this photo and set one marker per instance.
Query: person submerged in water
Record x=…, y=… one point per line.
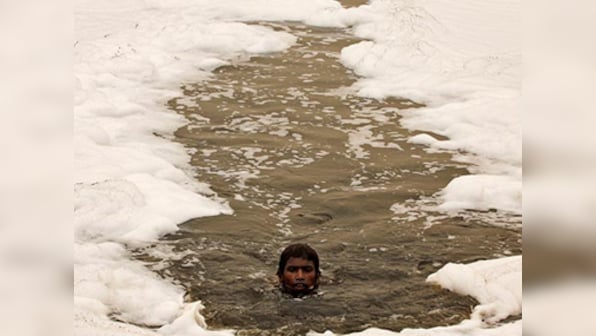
x=298, y=270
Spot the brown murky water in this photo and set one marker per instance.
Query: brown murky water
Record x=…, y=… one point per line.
x=302, y=159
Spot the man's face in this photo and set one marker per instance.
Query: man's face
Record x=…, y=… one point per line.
x=299, y=276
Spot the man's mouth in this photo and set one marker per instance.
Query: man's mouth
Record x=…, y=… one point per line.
x=297, y=289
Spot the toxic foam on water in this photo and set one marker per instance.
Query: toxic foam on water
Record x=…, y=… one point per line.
x=133, y=185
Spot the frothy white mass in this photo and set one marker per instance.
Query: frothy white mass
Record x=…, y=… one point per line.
x=496, y=284
x=133, y=184
x=462, y=60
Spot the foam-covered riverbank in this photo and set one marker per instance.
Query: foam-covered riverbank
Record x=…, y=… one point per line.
x=133, y=185
x=463, y=60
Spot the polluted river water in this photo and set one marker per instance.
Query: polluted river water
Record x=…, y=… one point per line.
x=301, y=158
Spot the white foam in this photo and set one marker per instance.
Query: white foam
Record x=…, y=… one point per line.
x=133, y=186
x=482, y=192
x=497, y=286
x=463, y=61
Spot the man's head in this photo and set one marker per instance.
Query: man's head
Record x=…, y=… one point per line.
x=298, y=270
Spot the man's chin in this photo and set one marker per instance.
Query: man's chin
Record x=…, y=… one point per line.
x=298, y=290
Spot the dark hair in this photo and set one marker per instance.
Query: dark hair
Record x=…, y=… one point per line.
x=298, y=251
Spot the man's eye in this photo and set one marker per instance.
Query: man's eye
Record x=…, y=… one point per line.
x=292, y=269
x=307, y=269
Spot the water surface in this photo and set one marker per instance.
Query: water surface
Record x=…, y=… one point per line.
x=301, y=158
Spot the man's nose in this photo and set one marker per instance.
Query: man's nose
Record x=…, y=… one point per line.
x=300, y=274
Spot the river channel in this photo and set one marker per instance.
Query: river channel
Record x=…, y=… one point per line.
x=301, y=158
